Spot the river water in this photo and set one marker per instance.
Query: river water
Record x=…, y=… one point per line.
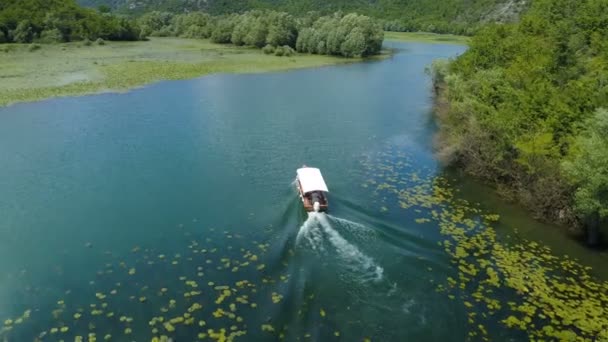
x=121, y=212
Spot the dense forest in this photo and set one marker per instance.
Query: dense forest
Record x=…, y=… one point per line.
x=448, y=16
x=48, y=21
x=278, y=33
x=523, y=108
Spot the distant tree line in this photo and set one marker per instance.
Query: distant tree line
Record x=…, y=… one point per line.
x=279, y=33
x=427, y=25
x=446, y=16
x=349, y=35
x=526, y=109
x=50, y=21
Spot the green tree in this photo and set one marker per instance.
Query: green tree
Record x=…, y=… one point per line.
x=155, y=23
x=241, y=29
x=587, y=167
x=513, y=104
x=282, y=30
x=257, y=32
x=303, y=43
x=222, y=33
x=192, y=25
x=23, y=33
x=28, y=20
x=354, y=44
x=104, y=9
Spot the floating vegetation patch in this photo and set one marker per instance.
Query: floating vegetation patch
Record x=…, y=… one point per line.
x=519, y=286
x=211, y=289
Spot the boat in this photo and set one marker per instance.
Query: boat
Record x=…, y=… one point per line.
x=312, y=188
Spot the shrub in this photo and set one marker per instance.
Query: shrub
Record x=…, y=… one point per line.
x=195, y=31
x=50, y=36
x=23, y=33
x=279, y=51
x=2, y=37
x=34, y=47
x=87, y=42
x=100, y=41
x=288, y=51
x=268, y=49
x=222, y=33
x=165, y=31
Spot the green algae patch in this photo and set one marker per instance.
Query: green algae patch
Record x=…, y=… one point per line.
x=518, y=284
x=149, y=307
x=72, y=69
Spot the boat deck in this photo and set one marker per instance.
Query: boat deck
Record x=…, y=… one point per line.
x=308, y=203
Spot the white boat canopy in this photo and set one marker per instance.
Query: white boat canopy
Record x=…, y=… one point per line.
x=311, y=180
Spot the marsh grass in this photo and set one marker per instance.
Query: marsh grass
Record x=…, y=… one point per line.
x=73, y=69
x=426, y=37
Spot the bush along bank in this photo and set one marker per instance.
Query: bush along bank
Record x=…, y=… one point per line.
x=524, y=109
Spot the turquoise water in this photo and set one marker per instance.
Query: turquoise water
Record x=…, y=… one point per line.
x=114, y=205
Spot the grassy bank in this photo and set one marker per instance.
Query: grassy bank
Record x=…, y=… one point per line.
x=426, y=37
x=74, y=69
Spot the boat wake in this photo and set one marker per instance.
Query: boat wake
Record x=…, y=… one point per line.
x=318, y=232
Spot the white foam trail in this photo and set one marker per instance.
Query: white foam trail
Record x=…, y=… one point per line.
x=318, y=223
x=307, y=231
x=349, y=224
x=350, y=252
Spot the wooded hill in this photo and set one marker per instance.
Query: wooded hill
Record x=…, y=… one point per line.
x=525, y=108
x=454, y=16
x=50, y=21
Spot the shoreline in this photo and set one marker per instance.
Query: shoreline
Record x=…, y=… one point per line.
x=562, y=217
x=116, y=67
x=426, y=37
x=30, y=76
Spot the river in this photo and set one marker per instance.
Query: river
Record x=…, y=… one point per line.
x=121, y=212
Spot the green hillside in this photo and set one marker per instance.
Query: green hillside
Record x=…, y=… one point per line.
x=526, y=109
x=455, y=16
x=54, y=21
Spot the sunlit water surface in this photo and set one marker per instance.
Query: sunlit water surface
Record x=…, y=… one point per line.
x=119, y=209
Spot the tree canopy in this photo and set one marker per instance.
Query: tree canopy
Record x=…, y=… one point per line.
x=525, y=98
x=350, y=35
x=25, y=21
x=447, y=16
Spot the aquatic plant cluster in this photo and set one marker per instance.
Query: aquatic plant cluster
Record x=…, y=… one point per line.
x=213, y=290
x=504, y=284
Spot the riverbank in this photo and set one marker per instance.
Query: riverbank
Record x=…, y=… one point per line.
x=427, y=37
x=457, y=146
x=74, y=69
